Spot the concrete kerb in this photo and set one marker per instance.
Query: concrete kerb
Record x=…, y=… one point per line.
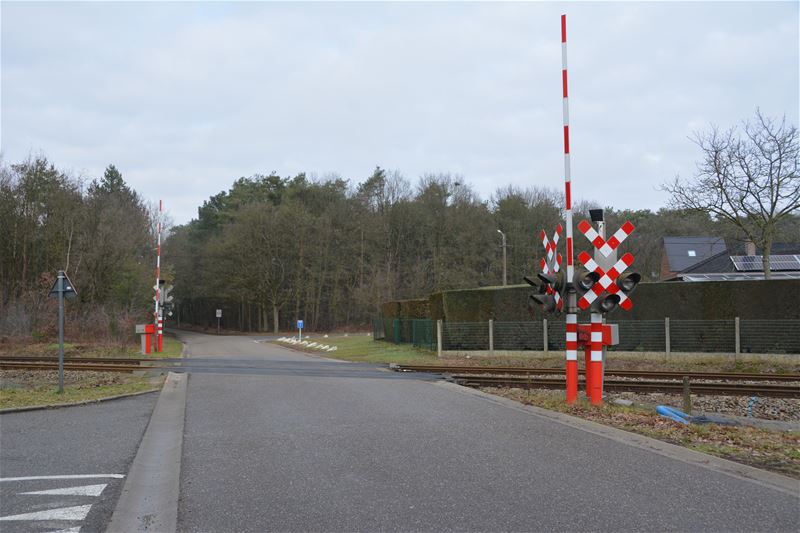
x=149, y=499
x=764, y=478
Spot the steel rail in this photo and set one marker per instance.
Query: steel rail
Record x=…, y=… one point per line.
x=657, y=374
x=81, y=367
x=719, y=389
x=49, y=358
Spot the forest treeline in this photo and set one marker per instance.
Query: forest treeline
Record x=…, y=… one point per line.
x=99, y=231
x=271, y=250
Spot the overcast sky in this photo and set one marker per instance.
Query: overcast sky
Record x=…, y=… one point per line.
x=186, y=97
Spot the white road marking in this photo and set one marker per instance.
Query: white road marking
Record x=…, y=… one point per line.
x=85, y=490
x=76, y=529
x=76, y=476
x=78, y=512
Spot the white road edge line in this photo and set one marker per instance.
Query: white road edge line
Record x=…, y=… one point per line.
x=76, y=476
x=84, y=490
x=78, y=512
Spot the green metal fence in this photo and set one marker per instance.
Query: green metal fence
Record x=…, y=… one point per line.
x=419, y=332
x=720, y=336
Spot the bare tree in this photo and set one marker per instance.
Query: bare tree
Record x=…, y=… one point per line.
x=748, y=178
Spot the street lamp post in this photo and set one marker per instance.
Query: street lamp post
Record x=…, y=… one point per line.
x=504, y=256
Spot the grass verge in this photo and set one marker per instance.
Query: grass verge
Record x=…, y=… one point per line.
x=87, y=386
x=361, y=348
x=172, y=347
x=25, y=388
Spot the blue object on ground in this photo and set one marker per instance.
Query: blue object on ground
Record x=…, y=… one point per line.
x=674, y=414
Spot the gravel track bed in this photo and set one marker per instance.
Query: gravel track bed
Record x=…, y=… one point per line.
x=782, y=409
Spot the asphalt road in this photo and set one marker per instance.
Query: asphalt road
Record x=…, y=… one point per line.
x=98, y=440
x=363, y=449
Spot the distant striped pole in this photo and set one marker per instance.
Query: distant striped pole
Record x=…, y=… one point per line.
x=572, y=317
x=158, y=317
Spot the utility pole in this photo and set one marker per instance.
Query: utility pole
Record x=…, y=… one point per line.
x=504, y=257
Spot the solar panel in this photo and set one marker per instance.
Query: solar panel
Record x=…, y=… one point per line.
x=735, y=276
x=784, y=262
x=755, y=263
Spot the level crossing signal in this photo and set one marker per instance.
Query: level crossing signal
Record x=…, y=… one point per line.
x=602, y=290
x=549, y=291
x=549, y=283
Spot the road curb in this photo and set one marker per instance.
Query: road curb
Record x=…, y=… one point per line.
x=149, y=499
x=764, y=478
x=73, y=404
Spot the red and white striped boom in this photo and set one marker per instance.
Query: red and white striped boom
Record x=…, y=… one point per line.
x=571, y=304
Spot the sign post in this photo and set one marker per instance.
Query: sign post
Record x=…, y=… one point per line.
x=61, y=288
x=300, y=329
x=219, y=315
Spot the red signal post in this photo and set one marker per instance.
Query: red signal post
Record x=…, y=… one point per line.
x=593, y=375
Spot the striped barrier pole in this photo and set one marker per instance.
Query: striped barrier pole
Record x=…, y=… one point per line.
x=572, y=363
x=595, y=369
x=587, y=365
x=572, y=308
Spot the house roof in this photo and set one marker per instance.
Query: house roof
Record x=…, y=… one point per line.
x=683, y=252
x=721, y=263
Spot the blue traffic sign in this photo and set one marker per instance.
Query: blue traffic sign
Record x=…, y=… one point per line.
x=299, y=324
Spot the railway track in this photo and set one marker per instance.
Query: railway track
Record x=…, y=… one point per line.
x=633, y=380
x=103, y=360
x=727, y=389
x=646, y=374
x=72, y=366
